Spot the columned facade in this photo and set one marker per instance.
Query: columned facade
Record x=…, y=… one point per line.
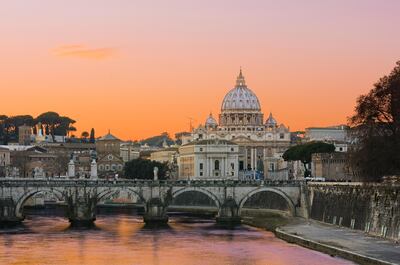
x=241, y=121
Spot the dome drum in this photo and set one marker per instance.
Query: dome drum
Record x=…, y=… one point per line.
x=241, y=119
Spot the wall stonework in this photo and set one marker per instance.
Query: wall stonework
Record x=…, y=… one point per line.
x=373, y=208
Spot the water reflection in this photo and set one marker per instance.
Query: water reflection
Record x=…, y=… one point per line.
x=124, y=239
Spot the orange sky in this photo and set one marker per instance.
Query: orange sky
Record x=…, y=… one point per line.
x=141, y=68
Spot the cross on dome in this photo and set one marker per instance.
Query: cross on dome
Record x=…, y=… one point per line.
x=240, y=82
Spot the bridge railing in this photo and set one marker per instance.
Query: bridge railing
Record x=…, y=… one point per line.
x=30, y=182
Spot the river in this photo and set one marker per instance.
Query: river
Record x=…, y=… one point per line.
x=123, y=239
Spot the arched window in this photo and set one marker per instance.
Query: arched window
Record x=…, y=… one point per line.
x=216, y=165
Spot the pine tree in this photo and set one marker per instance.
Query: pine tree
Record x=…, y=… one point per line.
x=92, y=137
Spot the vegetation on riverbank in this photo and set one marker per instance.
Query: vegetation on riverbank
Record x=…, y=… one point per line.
x=266, y=219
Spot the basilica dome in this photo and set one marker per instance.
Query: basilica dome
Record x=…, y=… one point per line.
x=240, y=97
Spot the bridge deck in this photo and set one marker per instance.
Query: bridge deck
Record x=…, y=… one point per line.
x=24, y=182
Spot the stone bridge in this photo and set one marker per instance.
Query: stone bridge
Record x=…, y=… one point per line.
x=82, y=195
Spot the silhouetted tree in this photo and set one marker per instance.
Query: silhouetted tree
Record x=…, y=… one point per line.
x=376, y=127
x=84, y=136
x=92, y=136
x=303, y=152
x=54, y=124
x=143, y=169
x=9, y=126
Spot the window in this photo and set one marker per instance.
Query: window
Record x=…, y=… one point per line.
x=272, y=167
x=241, y=165
x=201, y=174
x=281, y=136
x=201, y=166
x=233, y=166
x=201, y=149
x=232, y=149
x=216, y=165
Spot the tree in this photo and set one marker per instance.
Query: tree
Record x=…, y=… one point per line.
x=54, y=124
x=303, y=152
x=48, y=120
x=376, y=127
x=92, y=136
x=84, y=136
x=3, y=118
x=9, y=126
x=143, y=169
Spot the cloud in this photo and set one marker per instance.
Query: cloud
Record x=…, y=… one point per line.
x=83, y=52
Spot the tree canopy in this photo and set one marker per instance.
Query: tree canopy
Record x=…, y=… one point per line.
x=376, y=127
x=303, y=152
x=50, y=122
x=143, y=169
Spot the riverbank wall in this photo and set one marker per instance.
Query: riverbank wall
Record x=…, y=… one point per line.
x=373, y=208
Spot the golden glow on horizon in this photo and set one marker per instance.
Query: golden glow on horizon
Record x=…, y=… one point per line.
x=140, y=69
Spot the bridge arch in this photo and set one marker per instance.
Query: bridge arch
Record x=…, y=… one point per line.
x=112, y=190
x=20, y=204
x=196, y=189
x=289, y=202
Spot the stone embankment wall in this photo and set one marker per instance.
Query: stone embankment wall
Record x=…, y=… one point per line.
x=373, y=208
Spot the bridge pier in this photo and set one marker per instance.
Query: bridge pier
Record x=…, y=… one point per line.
x=81, y=209
x=228, y=213
x=8, y=216
x=156, y=212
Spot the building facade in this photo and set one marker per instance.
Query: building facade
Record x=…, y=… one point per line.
x=209, y=159
x=109, y=161
x=241, y=121
x=24, y=135
x=166, y=155
x=129, y=151
x=331, y=166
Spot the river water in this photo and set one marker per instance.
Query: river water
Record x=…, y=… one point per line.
x=123, y=239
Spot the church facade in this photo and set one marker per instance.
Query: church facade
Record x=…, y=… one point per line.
x=241, y=121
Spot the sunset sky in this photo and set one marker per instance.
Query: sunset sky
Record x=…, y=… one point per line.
x=141, y=68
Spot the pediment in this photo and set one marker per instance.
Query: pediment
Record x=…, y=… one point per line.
x=242, y=139
x=110, y=158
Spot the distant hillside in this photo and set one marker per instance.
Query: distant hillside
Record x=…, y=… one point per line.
x=158, y=140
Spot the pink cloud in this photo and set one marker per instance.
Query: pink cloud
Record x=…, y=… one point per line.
x=83, y=52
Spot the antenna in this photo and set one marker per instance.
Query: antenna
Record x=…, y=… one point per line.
x=191, y=123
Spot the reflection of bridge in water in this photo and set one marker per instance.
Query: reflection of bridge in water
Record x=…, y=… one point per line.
x=82, y=196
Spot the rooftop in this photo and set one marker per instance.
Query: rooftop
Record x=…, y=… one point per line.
x=211, y=142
